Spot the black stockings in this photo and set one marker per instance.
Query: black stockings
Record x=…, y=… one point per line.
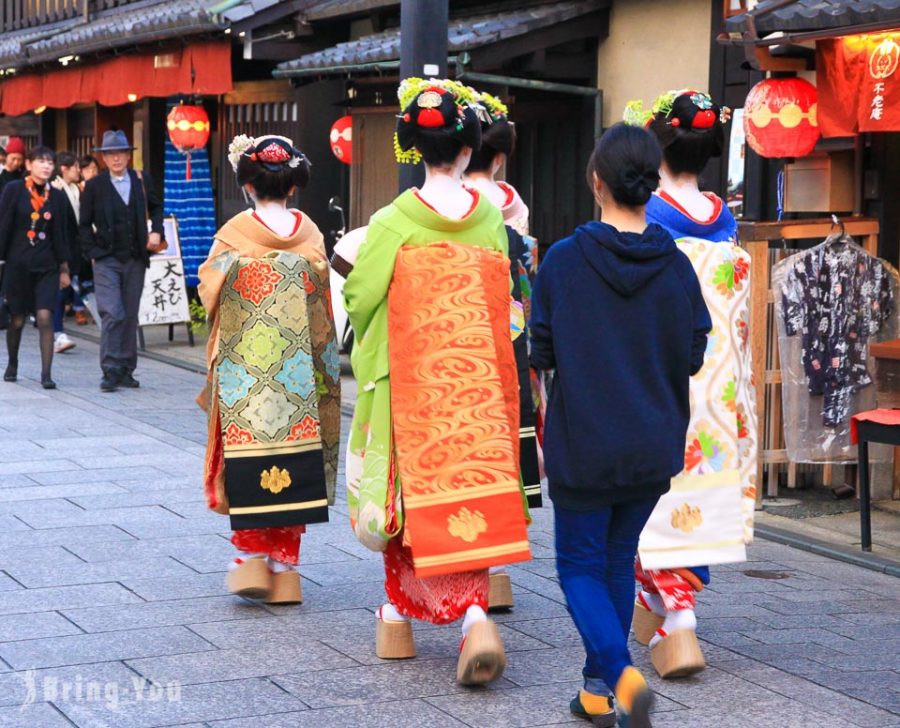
x=44, y=318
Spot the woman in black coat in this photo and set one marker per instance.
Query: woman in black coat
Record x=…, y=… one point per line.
x=35, y=242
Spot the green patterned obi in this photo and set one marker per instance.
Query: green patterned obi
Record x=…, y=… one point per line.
x=277, y=380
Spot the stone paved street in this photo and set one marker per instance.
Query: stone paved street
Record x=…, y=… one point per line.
x=112, y=578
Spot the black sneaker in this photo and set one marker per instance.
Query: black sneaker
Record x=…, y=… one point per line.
x=605, y=719
x=109, y=383
x=128, y=381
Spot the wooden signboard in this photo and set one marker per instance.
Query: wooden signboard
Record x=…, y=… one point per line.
x=164, y=299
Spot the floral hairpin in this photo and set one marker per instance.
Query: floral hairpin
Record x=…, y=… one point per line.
x=238, y=148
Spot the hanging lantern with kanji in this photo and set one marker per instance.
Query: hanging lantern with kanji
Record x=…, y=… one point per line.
x=341, y=138
x=188, y=128
x=780, y=117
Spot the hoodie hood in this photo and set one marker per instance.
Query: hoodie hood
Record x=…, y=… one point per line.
x=626, y=261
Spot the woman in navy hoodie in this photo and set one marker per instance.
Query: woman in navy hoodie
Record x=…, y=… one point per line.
x=618, y=313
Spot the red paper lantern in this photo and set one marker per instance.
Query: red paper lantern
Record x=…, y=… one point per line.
x=341, y=139
x=780, y=117
x=188, y=128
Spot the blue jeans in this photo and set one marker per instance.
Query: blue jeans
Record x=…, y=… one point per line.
x=595, y=553
x=62, y=298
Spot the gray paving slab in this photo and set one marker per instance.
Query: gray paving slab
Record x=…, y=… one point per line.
x=39, y=513
x=26, y=601
x=219, y=700
x=239, y=664
x=46, y=685
x=29, y=538
x=810, y=692
x=291, y=624
x=66, y=490
x=111, y=570
x=185, y=587
x=528, y=706
x=15, y=481
x=43, y=471
x=81, y=648
x=7, y=583
x=395, y=680
x=180, y=547
x=123, y=498
x=50, y=574
x=349, y=572
x=164, y=614
x=12, y=524
x=44, y=715
x=431, y=642
x=35, y=625
x=397, y=714
x=70, y=474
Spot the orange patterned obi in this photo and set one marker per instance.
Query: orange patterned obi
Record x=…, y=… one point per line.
x=455, y=408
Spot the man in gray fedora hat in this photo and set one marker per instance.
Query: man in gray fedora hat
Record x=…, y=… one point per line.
x=112, y=231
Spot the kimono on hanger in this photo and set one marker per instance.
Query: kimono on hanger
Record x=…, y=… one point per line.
x=836, y=297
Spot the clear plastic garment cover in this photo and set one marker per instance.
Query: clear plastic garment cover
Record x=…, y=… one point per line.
x=831, y=302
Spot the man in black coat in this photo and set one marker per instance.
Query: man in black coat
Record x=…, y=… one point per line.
x=112, y=232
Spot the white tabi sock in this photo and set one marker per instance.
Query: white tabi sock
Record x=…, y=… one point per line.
x=654, y=601
x=473, y=614
x=389, y=613
x=675, y=621
x=278, y=567
x=237, y=562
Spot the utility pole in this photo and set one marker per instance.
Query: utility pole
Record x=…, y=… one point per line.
x=423, y=53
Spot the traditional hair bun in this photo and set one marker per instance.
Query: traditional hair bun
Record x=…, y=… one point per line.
x=271, y=163
x=434, y=108
x=689, y=126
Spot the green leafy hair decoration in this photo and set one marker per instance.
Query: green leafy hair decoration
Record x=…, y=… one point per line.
x=496, y=108
x=411, y=87
x=636, y=115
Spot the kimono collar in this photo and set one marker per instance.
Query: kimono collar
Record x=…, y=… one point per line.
x=515, y=207
x=421, y=214
x=718, y=229
x=245, y=234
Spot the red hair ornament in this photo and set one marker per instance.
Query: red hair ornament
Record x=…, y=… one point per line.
x=705, y=119
x=273, y=154
x=430, y=119
x=429, y=101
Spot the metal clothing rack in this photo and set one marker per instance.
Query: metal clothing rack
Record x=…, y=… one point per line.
x=760, y=239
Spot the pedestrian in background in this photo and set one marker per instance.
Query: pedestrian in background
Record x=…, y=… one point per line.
x=115, y=208
x=89, y=169
x=618, y=313
x=13, y=165
x=36, y=228
x=67, y=180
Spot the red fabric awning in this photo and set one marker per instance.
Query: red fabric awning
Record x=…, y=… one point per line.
x=858, y=80
x=202, y=68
